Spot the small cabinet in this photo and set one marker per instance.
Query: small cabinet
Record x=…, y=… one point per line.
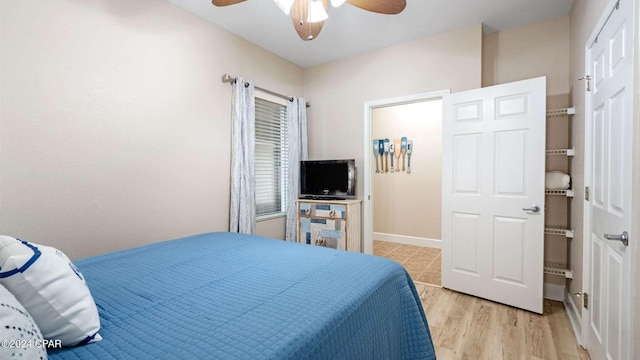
x=330, y=223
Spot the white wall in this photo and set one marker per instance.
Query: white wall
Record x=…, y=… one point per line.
x=115, y=127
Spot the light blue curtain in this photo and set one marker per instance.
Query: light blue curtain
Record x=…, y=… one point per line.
x=242, y=216
x=298, y=150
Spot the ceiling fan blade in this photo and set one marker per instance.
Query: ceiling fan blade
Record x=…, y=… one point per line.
x=225, y=2
x=299, y=14
x=390, y=7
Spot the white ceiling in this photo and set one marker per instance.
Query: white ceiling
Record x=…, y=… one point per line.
x=350, y=30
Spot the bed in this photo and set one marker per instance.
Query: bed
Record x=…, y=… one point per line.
x=234, y=296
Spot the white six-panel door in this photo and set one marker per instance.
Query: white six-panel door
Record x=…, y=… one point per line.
x=610, y=149
x=493, y=170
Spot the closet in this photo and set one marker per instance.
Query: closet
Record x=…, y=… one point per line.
x=558, y=199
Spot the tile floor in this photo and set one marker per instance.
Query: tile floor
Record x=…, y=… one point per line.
x=422, y=263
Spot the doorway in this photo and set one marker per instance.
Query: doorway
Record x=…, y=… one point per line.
x=407, y=211
x=408, y=189
x=608, y=212
x=403, y=208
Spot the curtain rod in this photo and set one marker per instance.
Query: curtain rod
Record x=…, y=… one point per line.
x=226, y=78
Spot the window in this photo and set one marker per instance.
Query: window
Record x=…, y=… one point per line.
x=271, y=158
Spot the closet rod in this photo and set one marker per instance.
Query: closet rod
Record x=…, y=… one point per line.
x=226, y=78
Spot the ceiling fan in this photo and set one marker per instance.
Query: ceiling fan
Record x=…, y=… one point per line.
x=308, y=16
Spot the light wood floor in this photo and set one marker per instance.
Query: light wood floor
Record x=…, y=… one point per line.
x=466, y=327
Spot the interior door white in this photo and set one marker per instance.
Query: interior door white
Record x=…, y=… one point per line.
x=493, y=193
x=610, y=149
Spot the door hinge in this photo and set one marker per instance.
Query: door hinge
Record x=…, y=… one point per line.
x=588, y=78
x=586, y=193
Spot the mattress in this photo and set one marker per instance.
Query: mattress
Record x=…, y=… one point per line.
x=235, y=296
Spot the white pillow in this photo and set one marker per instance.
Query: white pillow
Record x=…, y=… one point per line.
x=52, y=289
x=20, y=336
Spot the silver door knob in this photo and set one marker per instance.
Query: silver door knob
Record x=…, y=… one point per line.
x=624, y=237
x=533, y=208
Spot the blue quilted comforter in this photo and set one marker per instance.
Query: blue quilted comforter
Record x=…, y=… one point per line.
x=232, y=296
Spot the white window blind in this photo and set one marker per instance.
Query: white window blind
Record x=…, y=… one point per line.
x=271, y=158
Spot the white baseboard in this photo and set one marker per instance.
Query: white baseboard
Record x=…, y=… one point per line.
x=409, y=240
x=554, y=292
x=575, y=317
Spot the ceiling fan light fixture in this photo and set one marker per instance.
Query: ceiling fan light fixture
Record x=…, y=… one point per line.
x=308, y=16
x=317, y=12
x=284, y=5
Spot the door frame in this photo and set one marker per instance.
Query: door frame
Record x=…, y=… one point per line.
x=367, y=201
x=635, y=202
x=634, y=253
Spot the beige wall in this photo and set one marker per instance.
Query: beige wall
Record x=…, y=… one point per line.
x=539, y=49
x=410, y=204
x=115, y=127
x=584, y=16
x=272, y=228
x=338, y=90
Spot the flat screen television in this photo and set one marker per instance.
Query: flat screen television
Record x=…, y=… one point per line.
x=328, y=179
